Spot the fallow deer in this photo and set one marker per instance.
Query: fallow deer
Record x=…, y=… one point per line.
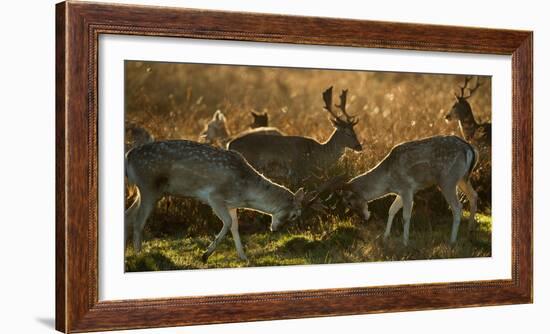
x=220, y=178
x=296, y=155
x=444, y=161
x=461, y=111
x=216, y=133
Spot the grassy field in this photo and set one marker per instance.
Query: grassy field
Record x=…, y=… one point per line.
x=174, y=101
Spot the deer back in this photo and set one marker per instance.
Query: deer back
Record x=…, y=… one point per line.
x=430, y=161
x=418, y=164
x=262, y=149
x=188, y=168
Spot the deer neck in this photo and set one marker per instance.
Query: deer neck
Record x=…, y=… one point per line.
x=268, y=197
x=467, y=123
x=372, y=184
x=333, y=148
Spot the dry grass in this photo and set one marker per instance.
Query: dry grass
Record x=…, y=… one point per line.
x=174, y=101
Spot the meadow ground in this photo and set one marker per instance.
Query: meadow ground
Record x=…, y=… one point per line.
x=175, y=101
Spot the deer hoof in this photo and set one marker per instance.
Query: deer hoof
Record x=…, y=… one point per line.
x=205, y=257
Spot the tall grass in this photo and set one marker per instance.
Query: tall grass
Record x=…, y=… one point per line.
x=174, y=101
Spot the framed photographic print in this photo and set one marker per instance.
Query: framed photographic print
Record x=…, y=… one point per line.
x=221, y=167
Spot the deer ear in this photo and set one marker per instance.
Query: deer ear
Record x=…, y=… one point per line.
x=299, y=195
x=219, y=116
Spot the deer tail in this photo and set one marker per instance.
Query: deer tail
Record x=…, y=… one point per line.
x=472, y=158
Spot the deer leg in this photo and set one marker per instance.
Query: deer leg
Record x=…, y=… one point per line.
x=407, y=212
x=222, y=212
x=235, y=234
x=130, y=217
x=396, y=206
x=471, y=194
x=145, y=207
x=452, y=199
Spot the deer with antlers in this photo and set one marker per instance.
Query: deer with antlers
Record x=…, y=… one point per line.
x=297, y=156
x=216, y=133
x=222, y=179
x=443, y=161
x=462, y=112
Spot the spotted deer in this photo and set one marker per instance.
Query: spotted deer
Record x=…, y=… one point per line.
x=443, y=161
x=216, y=133
x=220, y=178
x=297, y=156
x=461, y=111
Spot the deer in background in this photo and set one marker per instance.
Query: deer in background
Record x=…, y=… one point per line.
x=461, y=111
x=216, y=133
x=444, y=161
x=135, y=136
x=217, y=177
x=261, y=120
x=298, y=156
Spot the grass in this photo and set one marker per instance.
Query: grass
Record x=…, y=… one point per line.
x=341, y=241
x=175, y=101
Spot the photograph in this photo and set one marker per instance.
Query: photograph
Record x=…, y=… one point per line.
x=246, y=166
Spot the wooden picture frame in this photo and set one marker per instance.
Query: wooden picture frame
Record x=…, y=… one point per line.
x=78, y=26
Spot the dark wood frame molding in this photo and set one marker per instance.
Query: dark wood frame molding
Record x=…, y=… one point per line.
x=78, y=25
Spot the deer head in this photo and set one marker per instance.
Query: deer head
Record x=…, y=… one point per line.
x=303, y=201
x=215, y=130
x=354, y=202
x=461, y=108
x=290, y=212
x=344, y=124
x=260, y=119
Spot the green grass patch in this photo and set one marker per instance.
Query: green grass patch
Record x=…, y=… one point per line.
x=332, y=240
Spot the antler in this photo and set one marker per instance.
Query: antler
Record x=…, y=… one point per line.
x=310, y=200
x=327, y=97
x=343, y=97
x=342, y=106
x=472, y=90
x=462, y=88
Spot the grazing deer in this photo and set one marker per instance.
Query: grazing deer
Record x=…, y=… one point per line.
x=135, y=136
x=298, y=155
x=216, y=133
x=461, y=111
x=222, y=179
x=444, y=161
